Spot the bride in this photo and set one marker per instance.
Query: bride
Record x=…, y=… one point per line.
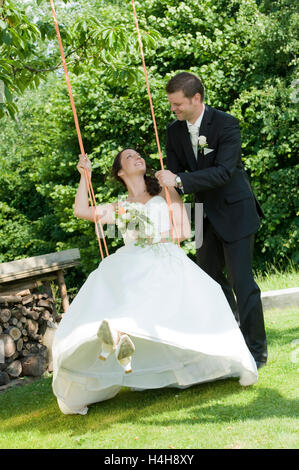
x=148, y=316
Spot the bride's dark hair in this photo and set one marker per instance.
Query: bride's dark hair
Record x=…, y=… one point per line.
x=151, y=182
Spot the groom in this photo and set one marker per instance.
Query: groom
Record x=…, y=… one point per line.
x=203, y=149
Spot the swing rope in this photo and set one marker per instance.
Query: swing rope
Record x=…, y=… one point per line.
x=171, y=218
x=87, y=177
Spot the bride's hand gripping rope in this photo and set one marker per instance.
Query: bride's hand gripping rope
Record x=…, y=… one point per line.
x=84, y=162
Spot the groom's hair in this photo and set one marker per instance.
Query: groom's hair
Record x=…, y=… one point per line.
x=186, y=82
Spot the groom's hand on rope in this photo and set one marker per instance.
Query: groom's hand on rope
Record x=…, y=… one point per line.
x=84, y=162
x=165, y=178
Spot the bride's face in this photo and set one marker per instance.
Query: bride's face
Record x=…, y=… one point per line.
x=131, y=163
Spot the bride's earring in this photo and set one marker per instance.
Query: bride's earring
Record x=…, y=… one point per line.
x=124, y=351
x=108, y=336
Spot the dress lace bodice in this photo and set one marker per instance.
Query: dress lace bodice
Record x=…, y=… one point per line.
x=157, y=210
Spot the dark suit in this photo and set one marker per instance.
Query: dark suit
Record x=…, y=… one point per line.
x=220, y=182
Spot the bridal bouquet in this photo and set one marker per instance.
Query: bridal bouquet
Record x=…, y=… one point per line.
x=133, y=217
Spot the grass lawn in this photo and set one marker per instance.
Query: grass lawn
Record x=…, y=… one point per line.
x=218, y=415
x=276, y=278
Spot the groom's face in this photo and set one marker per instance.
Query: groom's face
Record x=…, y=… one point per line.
x=183, y=107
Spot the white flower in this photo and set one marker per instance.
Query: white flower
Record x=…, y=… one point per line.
x=202, y=141
x=133, y=218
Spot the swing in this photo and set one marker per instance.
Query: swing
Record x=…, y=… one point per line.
x=87, y=177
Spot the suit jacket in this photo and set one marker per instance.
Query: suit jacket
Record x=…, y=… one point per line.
x=217, y=179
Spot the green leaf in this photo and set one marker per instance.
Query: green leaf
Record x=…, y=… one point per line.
x=6, y=37
x=7, y=94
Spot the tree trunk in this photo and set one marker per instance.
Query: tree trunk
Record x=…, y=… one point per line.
x=19, y=344
x=9, y=345
x=5, y=315
x=63, y=291
x=33, y=314
x=46, y=315
x=23, y=292
x=14, y=369
x=27, y=299
x=32, y=327
x=10, y=299
x=26, y=318
x=14, y=332
x=34, y=365
x=4, y=378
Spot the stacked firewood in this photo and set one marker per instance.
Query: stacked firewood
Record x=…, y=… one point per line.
x=24, y=319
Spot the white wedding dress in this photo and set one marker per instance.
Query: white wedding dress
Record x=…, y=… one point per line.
x=177, y=316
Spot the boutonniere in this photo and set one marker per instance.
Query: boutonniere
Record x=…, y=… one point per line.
x=203, y=145
x=202, y=142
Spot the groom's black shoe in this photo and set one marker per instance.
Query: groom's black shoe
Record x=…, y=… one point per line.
x=260, y=364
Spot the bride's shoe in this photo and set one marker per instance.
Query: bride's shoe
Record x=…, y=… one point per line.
x=124, y=351
x=109, y=338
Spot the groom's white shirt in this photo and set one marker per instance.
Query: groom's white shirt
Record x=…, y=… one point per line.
x=194, y=130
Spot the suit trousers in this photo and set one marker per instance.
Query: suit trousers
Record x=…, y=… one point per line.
x=214, y=257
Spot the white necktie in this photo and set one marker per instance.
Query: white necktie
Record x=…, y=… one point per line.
x=194, y=138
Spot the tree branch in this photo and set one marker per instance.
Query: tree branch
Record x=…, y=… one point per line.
x=55, y=67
